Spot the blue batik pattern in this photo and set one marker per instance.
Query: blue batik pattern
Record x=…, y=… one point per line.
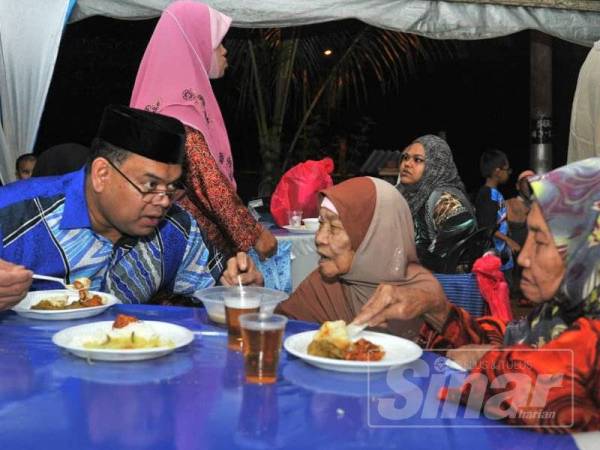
x=502, y=223
x=45, y=226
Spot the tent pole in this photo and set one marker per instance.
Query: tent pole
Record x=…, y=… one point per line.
x=540, y=101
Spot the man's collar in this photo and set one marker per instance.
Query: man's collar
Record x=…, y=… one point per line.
x=76, y=214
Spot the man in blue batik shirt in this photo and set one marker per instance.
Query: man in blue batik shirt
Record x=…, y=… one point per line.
x=113, y=221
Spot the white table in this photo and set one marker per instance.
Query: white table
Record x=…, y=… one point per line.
x=304, y=253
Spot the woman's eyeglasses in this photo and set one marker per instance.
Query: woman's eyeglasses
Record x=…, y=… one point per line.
x=417, y=159
x=153, y=196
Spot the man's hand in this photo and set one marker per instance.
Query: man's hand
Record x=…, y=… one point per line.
x=469, y=355
x=241, y=267
x=266, y=245
x=14, y=284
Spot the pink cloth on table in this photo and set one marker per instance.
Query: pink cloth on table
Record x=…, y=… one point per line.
x=173, y=77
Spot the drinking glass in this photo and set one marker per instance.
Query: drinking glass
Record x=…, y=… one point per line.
x=262, y=334
x=235, y=306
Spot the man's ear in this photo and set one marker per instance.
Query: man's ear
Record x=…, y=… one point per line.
x=99, y=174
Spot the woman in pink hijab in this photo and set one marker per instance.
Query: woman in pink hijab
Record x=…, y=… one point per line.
x=184, y=52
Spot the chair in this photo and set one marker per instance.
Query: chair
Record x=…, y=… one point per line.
x=461, y=257
x=463, y=290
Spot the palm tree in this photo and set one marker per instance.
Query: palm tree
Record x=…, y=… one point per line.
x=286, y=78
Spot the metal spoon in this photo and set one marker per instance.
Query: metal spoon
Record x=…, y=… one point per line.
x=57, y=280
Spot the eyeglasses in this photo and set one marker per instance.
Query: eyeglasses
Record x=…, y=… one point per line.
x=508, y=170
x=154, y=195
x=417, y=159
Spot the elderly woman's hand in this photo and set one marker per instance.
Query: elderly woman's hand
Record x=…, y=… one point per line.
x=241, y=268
x=402, y=303
x=14, y=284
x=468, y=355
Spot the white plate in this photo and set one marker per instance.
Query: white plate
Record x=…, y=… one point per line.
x=397, y=351
x=299, y=230
x=23, y=308
x=180, y=337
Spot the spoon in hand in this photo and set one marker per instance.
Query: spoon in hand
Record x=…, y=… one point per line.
x=57, y=280
x=354, y=330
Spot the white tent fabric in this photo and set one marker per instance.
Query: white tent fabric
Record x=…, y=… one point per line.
x=29, y=41
x=30, y=32
x=434, y=19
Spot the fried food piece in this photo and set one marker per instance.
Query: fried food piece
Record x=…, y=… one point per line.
x=363, y=350
x=94, y=300
x=331, y=341
x=122, y=320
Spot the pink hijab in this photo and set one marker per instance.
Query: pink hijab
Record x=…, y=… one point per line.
x=173, y=78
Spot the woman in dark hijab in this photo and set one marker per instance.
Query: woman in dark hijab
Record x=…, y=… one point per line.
x=436, y=196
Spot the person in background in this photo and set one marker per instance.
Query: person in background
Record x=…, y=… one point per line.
x=60, y=159
x=584, y=130
x=24, y=166
x=188, y=36
x=114, y=220
x=441, y=211
x=491, y=207
x=517, y=210
x=540, y=371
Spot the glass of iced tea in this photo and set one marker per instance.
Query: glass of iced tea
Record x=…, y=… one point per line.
x=262, y=334
x=235, y=306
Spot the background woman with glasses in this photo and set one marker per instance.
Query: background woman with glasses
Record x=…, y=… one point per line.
x=436, y=195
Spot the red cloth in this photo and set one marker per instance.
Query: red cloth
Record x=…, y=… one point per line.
x=573, y=399
x=493, y=286
x=298, y=188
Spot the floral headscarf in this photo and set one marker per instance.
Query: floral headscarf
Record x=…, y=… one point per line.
x=569, y=198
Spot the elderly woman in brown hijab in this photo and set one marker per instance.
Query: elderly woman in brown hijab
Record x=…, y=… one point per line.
x=365, y=237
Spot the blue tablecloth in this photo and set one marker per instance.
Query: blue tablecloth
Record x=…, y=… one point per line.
x=196, y=398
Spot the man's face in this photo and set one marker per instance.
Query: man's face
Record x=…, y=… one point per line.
x=25, y=169
x=121, y=205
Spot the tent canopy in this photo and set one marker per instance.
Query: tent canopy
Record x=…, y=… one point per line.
x=28, y=48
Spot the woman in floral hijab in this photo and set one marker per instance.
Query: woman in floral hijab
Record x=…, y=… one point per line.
x=545, y=366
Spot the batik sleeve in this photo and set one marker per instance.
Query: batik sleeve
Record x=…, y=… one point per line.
x=554, y=388
x=462, y=329
x=201, y=266
x=211, y=195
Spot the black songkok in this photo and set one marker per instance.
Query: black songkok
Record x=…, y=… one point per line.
x=154, y=136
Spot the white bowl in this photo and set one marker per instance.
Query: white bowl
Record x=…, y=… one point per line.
x=312, y=223
x=214, y=299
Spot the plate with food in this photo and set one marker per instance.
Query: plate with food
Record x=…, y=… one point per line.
x=125, y=339
x=330, y=348
x=64, y=304
x=302, y=229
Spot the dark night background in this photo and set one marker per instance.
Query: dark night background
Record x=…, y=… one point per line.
x=480, y=97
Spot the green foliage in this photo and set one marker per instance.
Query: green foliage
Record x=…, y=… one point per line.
x=296, y=93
